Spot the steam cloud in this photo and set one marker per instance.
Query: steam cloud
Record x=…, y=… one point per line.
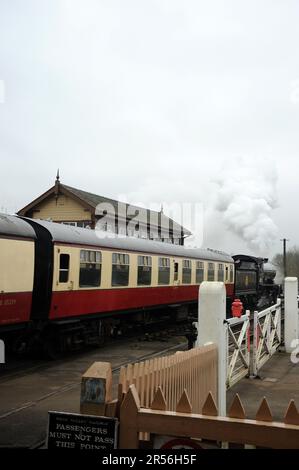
x=246, y=196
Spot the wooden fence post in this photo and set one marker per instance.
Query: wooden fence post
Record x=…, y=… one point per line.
x=96, y=389
x=128, y=430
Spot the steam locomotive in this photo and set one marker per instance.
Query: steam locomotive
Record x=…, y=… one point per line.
x=255, y=282
x=63, y=286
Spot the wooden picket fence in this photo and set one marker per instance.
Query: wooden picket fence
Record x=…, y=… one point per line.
x=175, y=396
x=207, y=426
x=194, y=371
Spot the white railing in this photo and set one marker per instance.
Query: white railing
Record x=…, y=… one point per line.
x=266, y=335
x=238, y=348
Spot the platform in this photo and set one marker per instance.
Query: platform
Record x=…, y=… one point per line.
x=278, y=382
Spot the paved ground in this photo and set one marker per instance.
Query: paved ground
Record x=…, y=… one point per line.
x=26, y=398
x=279, y=383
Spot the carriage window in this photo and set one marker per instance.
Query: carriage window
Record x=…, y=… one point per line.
x=64, y=267
x=187, y=271
x=144, y=270
x=231, y=273
x=90, y=268
x=120, y=269
x=220, y=272
x=226, y=273
x=211, y=272
x=199, y=272
x=164, y=271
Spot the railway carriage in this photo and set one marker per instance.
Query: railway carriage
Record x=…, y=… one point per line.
x=17, y=242
x=82, y=285
x=93, y=275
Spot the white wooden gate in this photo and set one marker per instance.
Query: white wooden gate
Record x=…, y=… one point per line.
x=267, y=335
x=238, y=348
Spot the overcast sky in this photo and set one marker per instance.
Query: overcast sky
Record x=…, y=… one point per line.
x=154, y=100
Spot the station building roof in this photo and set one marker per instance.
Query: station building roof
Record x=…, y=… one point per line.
x=91, y=201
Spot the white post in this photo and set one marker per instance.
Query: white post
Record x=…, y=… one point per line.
x=253, y=359
x=212, y=329
x=291, y=318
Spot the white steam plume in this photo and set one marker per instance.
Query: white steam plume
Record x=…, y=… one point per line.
x=246, y=196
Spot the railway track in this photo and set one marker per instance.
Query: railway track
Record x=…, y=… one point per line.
x=16, y=366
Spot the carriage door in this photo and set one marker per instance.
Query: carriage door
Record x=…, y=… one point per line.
x=176, y=280
x=64, y=274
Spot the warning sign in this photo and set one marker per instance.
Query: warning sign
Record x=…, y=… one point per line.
x=81, y=432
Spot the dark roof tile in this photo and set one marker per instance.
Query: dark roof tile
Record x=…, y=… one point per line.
x=94, y=199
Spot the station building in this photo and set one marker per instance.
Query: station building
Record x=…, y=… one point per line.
x=72, y=206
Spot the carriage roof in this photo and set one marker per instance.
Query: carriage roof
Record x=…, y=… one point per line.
x=83, y=236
